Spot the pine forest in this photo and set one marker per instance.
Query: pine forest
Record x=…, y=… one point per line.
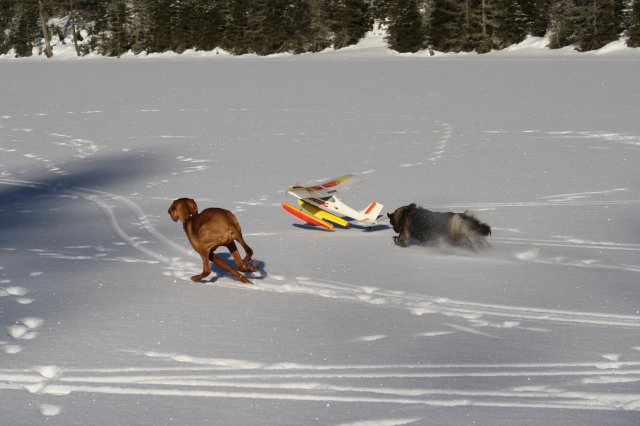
x=262, y=27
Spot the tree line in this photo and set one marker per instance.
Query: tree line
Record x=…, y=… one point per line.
x=114, y=27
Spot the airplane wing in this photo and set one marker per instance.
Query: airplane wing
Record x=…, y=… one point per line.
x=327, y=189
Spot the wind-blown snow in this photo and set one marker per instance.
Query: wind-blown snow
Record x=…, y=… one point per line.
x=103, y=326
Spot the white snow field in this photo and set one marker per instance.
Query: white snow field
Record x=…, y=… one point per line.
x=102, y=326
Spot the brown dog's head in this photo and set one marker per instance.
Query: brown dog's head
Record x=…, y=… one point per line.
x=182, y=209
x=396, y=219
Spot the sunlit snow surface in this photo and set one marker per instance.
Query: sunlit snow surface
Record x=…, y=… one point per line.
x=101, y=324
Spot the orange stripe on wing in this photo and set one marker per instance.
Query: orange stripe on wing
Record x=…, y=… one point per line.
x=306, y=217
x=371, y=207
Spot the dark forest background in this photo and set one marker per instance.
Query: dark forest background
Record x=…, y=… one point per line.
x=113, y=27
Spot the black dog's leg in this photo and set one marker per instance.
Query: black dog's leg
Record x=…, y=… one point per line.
x=402, y=240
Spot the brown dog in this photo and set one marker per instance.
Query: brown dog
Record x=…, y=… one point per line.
x=209, y=230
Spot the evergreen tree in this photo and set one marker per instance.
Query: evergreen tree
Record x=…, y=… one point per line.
x=426, y=9
x=481, y=21
x=159, y=37
x=537, y=14
x=318, y=34
x=117, y=40
x=97, y=14
x=477, y=28
x=236, y=38
x=6, y=15
x=444, y=26
x=140, y=27
x=212, y=25
x=297, y=24
x=183, y=24
x=379, y=10
x=509, y=25
x=270, y=26
x=600, y=23
x=564, y=23
x=633, y=39
x=24, y=28
x=267, y=26
x=349, y=21
x=405, y=33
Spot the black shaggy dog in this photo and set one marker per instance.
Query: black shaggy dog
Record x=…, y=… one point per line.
x=459, y=229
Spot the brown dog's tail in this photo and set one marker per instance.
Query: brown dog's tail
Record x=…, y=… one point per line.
x=475, y=225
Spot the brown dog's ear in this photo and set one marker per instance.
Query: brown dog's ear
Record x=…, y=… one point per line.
x=173, y=212
x=192, y=206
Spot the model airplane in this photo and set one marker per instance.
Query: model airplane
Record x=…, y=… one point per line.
x=321, y=205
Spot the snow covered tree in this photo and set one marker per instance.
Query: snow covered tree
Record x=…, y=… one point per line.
x=6, y=16
x=140, y=27
x=297, y=23
x=536, y=14
x=633, y=33
x=446, y=26
x=266, y=27
x=212, y=25
x=117, y=42
x=160, y=21
x=379, y=10
x=270, y=26
x=319, y=35
x=183, y=24
x=236, y=38
x=24, y=28
x=405, y=32
x=508, y=24
x=349, y=21
x=564, y=19
x=600, y=23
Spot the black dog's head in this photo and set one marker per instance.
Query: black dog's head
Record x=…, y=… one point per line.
x=396, y=219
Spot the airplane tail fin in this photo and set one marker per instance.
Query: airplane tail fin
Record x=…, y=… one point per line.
x=371, y=213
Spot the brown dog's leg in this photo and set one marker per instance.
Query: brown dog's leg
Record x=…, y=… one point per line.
x=243, y=266
x=247, y=249
x=206, y=268
x=237, y=275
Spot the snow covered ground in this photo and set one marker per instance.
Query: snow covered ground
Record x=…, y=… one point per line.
x=102, y=326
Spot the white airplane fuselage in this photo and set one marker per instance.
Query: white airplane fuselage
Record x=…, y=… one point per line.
x=334, y=206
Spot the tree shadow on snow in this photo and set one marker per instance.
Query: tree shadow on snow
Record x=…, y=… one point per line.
x=35, y=207
x=43, y=214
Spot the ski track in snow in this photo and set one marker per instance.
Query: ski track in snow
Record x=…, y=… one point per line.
x=439, y=148
x=84, y=148
x=629, y=140
x=574, y=386
x=178, y=268
x=417, y=304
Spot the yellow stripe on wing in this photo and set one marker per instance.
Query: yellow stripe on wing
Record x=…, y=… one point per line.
x=319, y=213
